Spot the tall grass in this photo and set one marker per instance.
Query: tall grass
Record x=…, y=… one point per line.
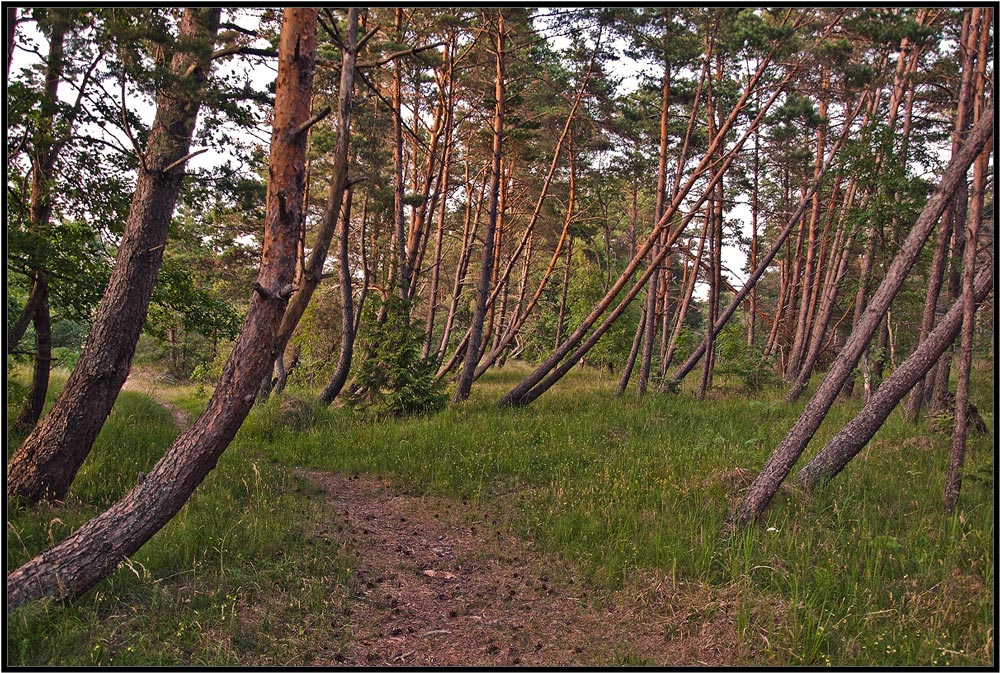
x=221, y=584
x=868, y=570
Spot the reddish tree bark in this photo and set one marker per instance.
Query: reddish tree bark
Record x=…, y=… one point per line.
x=312, y=269
x=46, y=463
x=94, y=550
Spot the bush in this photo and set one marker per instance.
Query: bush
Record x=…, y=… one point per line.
x=749, y=365
x=392, y=377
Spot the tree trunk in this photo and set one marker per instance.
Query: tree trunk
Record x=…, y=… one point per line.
x=649, y=334
x=472, y=354
x=46, y=463
x=432, y=302
x=777, y=467
x=44, y=156
x=808, y=275
x=855, y=435
x=640, y=331
x=969, y=301
x=11, y=29
x=312, y=272
x=468, y=237
x=401, y=269
x=347, y=332
x=94, y=550
x=35, y=402
x=940, y=260
x=822, y=321
x=687, y=288
x=561, y=316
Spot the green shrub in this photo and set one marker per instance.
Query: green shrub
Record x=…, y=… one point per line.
x=392, y=377
x=748, y=364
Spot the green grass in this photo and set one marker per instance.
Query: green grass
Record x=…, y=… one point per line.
x=868, y=570
x=236, y=578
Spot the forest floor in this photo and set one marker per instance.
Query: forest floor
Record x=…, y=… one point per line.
x=584, y=530
x=439, y=583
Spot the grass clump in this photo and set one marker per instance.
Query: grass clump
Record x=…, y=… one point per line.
x=238, y=577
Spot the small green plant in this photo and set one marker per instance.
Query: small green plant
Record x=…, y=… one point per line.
x=199, y=375
x=392, y=378
x=748, y=364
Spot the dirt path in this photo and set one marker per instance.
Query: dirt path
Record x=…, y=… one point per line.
x=438, y=583
x=146, y=387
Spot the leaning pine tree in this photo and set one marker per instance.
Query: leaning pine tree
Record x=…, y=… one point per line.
x=92, y=552
x=44, y=466
x=771, y=476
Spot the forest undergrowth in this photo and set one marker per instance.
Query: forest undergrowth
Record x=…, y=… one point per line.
x=868, y=570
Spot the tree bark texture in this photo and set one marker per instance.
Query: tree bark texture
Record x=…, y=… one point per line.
x=472, y=354
x=46, y=463
x=781, y=461
x=92, y=552
x=312, y=271
x=847, y=443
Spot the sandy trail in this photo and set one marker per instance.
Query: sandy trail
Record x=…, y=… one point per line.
x=439, y=583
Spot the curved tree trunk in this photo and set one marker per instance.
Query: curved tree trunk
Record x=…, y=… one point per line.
x=778, y=466
x=347, y=332
x=649, y=333
x=93, y=551
x=855, y=435
x=46, y=463
x=45, y=153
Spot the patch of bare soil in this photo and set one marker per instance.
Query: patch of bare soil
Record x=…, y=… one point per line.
x=440, y=583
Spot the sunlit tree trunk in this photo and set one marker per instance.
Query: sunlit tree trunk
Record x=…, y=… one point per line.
x=46, y=463
x=96, y=549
